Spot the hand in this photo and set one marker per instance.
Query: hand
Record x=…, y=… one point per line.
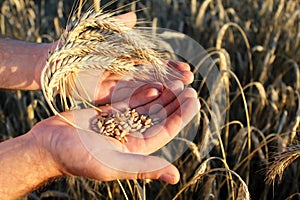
x=106, y=87
x=99, y=86
x=83, y=153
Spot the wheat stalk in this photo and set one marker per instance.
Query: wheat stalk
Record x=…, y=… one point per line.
x=97, y=41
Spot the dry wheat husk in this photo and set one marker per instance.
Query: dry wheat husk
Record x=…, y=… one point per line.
x=281, y=162
x=97, y=41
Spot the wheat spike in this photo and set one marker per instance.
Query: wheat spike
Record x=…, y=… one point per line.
x=281, y=162
x=97, y=41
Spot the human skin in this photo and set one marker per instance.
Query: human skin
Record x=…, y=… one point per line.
x=53, y=148
x=21, y=64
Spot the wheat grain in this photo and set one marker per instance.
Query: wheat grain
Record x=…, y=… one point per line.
x=120, y=125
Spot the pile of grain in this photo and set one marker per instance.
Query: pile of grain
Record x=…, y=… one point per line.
x=120, y=125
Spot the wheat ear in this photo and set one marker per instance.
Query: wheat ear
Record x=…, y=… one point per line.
x=97, y=41
x=281, y=162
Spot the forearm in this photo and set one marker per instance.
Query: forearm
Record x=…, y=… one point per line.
x=24, y=166
x=21, y=64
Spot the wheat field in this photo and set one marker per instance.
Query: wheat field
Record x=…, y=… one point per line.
x=254, y=154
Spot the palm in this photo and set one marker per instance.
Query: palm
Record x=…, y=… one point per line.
x=81, y=152
x=106, y=158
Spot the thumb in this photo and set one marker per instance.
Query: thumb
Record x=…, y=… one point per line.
x=134, y=166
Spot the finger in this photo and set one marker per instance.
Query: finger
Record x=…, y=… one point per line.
x=134, y=166
x=117, y=90
x=137, y=93
x=135, y=97
x=145, y=94
x=181, y=71
x=170, y=108
x=159, y=135
x=181, y=66
x=169, y=94
x=139, y=97
x=105, y=160
x=82, y=118
x=128, y=18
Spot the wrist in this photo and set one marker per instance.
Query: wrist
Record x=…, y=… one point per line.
x=24, y=166
x=21, y=63
x=43, y=157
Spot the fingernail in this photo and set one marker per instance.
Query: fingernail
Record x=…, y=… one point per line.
x=168, y=178
x=154, y=92
x=159, y=86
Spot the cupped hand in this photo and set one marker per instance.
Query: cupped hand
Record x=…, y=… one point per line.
x=106, y=87
x=99, y=86
x=82, y=152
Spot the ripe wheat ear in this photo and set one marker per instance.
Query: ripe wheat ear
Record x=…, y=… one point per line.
x=97, y=41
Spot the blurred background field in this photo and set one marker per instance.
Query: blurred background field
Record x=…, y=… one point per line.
x=256, y=46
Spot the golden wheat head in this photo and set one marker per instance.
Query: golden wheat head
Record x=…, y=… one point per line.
x=97, y=41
